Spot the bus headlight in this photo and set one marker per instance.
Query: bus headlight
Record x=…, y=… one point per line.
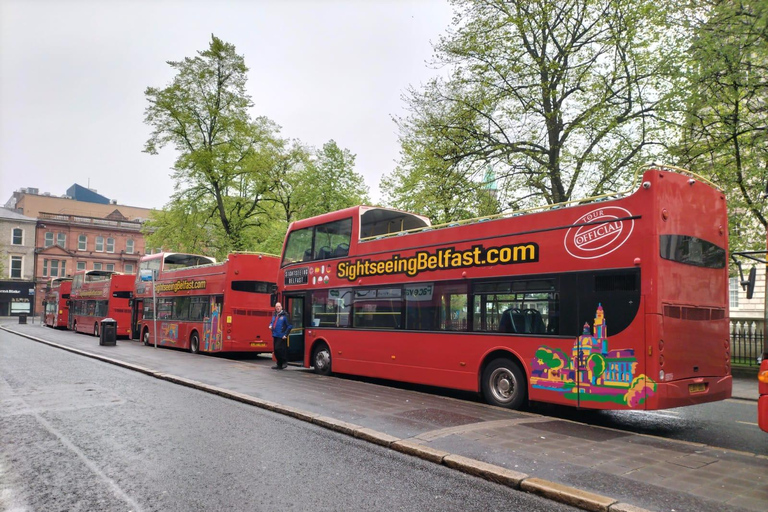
x=661, y=375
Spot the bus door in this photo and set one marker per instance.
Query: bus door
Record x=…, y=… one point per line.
x=137, y=314
x=294, y=306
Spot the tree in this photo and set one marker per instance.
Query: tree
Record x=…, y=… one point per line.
x=328, y=183
x=223, y=170
x=725, y=131
x=558, y=96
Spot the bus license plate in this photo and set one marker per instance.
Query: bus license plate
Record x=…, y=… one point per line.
x=254, y=344
x=697, y=388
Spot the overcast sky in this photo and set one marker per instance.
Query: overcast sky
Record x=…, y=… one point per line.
x=73, y=75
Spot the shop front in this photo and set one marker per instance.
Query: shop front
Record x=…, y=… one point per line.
x=17, y=298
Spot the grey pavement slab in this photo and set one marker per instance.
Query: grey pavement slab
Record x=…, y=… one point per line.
x=637, y=470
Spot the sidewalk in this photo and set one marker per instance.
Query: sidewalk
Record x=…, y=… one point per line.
x=591, y=467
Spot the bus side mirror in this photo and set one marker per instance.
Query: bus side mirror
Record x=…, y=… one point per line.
x=273, y=299
x=750, y=282
x=130, y=303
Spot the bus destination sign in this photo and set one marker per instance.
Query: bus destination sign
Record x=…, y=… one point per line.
x=297, y=276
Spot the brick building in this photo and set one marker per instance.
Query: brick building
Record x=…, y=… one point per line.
x=82, y=230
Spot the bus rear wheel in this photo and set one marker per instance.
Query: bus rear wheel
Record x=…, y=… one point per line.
x=194, y=343
x=96, y=329
x=145, y=337
x=321, y=359
x=504, y=384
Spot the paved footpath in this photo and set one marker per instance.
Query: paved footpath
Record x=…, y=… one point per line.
x=590, y=467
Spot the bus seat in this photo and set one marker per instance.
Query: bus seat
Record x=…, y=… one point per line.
x=518, y=321
x=341, y=250
x=533, y=322
x=323, y=253
x=511, y=321
x=307, y=255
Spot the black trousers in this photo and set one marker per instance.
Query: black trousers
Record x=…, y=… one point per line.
x=281, y=350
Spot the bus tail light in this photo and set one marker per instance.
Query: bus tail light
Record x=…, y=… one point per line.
x=763, y=376
x=661, y=375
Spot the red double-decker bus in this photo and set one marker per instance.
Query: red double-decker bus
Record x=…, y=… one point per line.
x=100, y=294
x=56, y=301
x=204, y=306
x=616, y=303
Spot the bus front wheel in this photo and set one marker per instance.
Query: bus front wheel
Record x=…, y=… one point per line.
x=321, y=359
x=194, y=343
x=145, y=337
x=504, y=384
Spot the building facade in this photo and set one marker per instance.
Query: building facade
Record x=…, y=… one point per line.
x=82, y=230
x=17, y=263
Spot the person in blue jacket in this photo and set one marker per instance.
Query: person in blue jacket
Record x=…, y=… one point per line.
x=280, y=326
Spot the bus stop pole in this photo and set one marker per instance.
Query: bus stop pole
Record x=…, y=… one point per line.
x=154, y=308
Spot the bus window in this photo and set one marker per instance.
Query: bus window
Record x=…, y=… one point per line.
x=298, y=247
x=378, y=308
x=331, y=308
x=436, y=306
x=252, y=286
x=691, y=251
x=332, y=237
x=517, y=307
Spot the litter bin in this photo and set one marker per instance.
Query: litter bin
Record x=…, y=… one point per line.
x=22, y=319
x=108, y=333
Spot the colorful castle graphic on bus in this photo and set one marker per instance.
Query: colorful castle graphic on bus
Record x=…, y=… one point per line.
x=593, y=372
x=212, y=328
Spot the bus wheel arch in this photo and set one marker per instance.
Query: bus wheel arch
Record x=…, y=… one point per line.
x=503, y=381
x=321, y=358
x=194, y=342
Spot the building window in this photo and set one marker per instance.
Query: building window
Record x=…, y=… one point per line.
x=54, y=268
x=82, y=243
x=733, y=292
x=48, y=239
x=61, y=239
x=80, y=265
x=16, y=262
x=110, y=267
x=129, y=246
x=99, y=244
x=45, y=268
x=129, y=268
x=110, y=244
x=18, y=236
x=97, y=266
x=63, y=268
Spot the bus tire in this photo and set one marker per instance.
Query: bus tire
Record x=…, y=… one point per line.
x=194, y=343
x=321, y=359
x=96, y=329
x=145, y=337
x=503, y=384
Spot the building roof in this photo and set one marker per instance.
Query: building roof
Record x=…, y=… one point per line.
x=80, y=193
x=8, y=214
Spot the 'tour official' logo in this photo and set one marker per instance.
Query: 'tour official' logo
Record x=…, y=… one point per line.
x=599, y=232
